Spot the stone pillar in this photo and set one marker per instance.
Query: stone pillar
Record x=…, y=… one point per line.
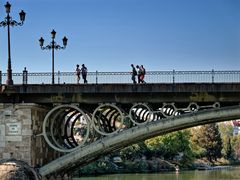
x=20, y=126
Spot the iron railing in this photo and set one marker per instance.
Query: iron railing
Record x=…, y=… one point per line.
x=125, y=77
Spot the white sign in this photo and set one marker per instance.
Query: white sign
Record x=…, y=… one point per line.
x=13, y=128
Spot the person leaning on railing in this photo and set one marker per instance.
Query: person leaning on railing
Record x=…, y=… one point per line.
x=84, y=73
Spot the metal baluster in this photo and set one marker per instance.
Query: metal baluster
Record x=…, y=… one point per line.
x=212, y=75
x=59, y=77
x=96, y=77
x=0, y=77
x=25, y=75
x=173, y=76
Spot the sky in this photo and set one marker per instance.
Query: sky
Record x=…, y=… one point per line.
x=109, y=35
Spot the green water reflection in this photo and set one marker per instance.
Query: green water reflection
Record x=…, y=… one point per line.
x=232, y=173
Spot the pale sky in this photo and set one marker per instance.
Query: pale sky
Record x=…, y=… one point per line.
x=109, y=35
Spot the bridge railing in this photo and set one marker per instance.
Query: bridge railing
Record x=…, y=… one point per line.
x=125, y=77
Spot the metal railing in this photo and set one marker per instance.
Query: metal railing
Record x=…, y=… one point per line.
x=125, y=77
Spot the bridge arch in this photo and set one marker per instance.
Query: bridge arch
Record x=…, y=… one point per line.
x=67, y=126
x=84, y=155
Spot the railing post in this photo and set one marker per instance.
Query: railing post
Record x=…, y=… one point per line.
x=212, y=75
x=58, y=77
x=0, y=77
x=25, y=75
x=173, y=76
x=96, y=77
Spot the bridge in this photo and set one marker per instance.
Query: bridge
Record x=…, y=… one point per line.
x=67, y=125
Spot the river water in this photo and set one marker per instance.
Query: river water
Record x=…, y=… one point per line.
x=223, y=174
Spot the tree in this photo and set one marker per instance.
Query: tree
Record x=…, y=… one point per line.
x=236, y=146
x=171, y=145
x=226, y=130
x=209, y=138
x=229, y=150
x=131, y=152
x=197, y=150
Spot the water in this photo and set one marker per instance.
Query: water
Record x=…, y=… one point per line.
x=224, y=174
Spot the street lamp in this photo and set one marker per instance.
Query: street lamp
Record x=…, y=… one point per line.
x=8, y=21
x=53, y=45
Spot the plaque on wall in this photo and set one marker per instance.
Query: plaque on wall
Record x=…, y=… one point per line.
x=13, y=128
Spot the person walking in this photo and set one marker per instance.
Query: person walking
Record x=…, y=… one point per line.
x=134, y=73
x=142, y=74
x=138, y=73
x=84, y=73
x=78, y=72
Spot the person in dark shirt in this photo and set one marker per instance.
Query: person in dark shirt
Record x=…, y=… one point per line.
x=134, y=73
x=84, y=73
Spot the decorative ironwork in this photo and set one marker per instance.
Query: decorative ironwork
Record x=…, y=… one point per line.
x=67, y=127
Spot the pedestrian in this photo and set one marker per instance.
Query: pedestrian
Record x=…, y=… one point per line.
x=84, y=73
x=78, y=72
x=177, y=169
x=142, y=74
x=138, y=73
x=134, y=73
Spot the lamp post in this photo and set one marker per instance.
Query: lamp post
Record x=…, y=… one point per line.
x=53, y=45
x=8, y=21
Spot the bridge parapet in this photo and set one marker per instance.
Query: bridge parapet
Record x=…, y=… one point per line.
x=121, y=93
x=212, y=76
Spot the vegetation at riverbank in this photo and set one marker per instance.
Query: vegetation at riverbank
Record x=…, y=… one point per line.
x=207, y=145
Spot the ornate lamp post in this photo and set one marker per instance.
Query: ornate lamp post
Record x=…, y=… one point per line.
x=8, y=21
x=53, y=45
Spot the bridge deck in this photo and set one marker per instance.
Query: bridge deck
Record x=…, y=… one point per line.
x=122, y=93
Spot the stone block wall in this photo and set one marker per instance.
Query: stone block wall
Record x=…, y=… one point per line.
x=20, y=134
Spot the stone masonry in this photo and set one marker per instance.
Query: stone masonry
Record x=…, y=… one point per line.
x=20, y=134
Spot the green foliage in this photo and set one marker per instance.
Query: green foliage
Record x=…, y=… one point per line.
x=236, y=146
x=156, y=146
x=208, y=138
x=196, y=149
x=229, y=151
x=90, y=168
x=181, y=147
x=98, y=167
x=172, y=145
x=131, y=152
x=226, y=130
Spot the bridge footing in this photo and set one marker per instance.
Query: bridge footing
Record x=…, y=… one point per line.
x=12, y=169
x=15, y=169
